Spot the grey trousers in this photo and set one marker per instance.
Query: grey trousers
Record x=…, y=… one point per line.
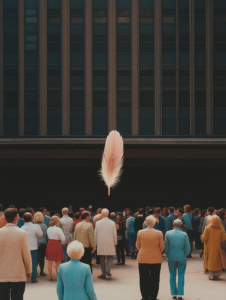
x=105, y=268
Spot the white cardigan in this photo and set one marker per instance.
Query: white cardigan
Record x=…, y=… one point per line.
x=56, y=233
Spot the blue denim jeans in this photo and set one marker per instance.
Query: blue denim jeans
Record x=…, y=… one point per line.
x=66, y=257
x=175, y=265
x=34, y=256
x=132, y=238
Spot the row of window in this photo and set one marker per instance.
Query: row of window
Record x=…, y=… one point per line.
x=171, y=99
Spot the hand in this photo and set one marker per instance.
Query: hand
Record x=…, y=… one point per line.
x=115, y=247
x=93, y=250
x=29, y=276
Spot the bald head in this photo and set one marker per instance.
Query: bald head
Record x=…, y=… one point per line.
x=105, y=212
x=65, y=211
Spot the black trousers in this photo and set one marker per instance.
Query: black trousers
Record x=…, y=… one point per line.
x=120, y=251
x=13, y=289
x=149, y=280
x=41, y=256
x=87, y=257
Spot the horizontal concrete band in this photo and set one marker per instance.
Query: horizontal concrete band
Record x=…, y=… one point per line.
x=97, y=153
x=127, y=141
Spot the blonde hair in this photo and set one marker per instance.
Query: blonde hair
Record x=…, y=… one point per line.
x=216, y=222
x=53, y=220
x=38, y=218
x=75, y=250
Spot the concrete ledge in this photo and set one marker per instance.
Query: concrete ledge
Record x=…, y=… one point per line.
x=127, y=141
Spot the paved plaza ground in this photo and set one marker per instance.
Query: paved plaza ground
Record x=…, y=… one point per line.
x=124, y=284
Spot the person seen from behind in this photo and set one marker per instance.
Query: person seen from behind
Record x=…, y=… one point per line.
x=54, y=250
x=150, y=246
x=84, y=234
x=213, y=236
x=177, y=247
x=15, y=258
x=74, y=278
x=33, y=231
x=42, y=242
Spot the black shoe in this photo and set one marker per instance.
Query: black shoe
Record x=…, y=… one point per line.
x=35, y=281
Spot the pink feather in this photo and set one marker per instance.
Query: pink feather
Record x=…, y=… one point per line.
x=112, y=160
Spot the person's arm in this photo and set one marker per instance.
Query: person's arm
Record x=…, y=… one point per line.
x=39, y=231
x=62, y=236
x=163, y=226
x=135, y=224
x=161, y=244
x=138, y=243
x=75, y=233
x=89, y=286
x=115, y=235
x=26, y=254
x=91, y=237
x=60, y=286
x=205, y=236
x=187, y=247
x=95, y=236
x=166, y=244
x=127, y=224
x=204, y=224
x=45, y=231
x=72, y=225
x=60, y=225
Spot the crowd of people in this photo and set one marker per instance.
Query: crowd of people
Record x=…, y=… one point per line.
x=72, y=240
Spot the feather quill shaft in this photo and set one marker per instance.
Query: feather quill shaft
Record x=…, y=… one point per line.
x=112, y=160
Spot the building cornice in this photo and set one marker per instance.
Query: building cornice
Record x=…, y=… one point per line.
x=127, y=141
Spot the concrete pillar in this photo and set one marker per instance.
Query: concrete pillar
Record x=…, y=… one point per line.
x=1, y=69
x=88, y=68
x=65, y=67
x=42, y=101
x=177, y=69
x=158, y=67
x=209, y=67
x=112, y=65
x=21, y=67
x=192, y=65
x=135, y=67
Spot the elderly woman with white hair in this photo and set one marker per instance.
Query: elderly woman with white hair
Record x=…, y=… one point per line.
x=74, y=278
x=177, y=247
x=150, y=246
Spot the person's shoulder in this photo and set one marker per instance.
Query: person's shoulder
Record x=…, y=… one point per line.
x=158, y=232
x=47, y=217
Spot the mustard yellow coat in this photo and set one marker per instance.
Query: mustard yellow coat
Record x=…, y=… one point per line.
x=212, y=238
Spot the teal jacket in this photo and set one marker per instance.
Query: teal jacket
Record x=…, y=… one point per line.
x=75, y=282
x=177, y=245
x=169, y=221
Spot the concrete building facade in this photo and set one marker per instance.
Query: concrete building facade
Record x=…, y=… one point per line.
x=73, y=70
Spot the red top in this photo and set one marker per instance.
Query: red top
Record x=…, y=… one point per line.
x=76, y=222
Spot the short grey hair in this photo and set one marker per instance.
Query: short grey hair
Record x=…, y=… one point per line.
x=75, y=250
x=105, y=211
x=177, y=223
x=150, y=221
